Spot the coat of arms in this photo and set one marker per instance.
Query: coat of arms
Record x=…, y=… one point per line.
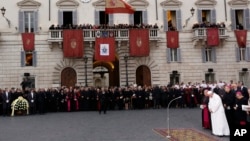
x=172, y=39
x=27, y=41
x=73, y=43
x=138, y=42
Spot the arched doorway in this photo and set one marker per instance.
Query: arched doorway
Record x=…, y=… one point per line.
x=143, y=76
x=68, y=77
x=107, y=72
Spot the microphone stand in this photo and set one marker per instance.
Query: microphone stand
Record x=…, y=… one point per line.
x=168, y=136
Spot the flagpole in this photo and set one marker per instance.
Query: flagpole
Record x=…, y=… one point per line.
x=156, y=9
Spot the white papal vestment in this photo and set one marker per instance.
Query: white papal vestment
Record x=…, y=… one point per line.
x=219, y=122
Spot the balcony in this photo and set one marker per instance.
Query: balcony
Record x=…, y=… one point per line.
x=91, y=34
x=200, y=35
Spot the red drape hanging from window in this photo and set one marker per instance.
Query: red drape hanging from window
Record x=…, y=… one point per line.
x=73, y=43
x=241, y=37
x=213, y=37
x=172, y=39
x=139, y=42
x=28, y=41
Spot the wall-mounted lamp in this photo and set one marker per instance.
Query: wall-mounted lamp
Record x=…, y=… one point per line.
x=3, y=10
x=192, y=11
x=187, y=20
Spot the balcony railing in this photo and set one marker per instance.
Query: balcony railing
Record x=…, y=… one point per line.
x=91, y=34
x=202, y=33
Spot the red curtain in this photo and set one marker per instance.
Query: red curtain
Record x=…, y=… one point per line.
x=172, y=39
x=139, y=42
x=241, y=37
x=105, y=49
x=213, y=37
x=73, y=43
x=28, y=41
x=118, y=6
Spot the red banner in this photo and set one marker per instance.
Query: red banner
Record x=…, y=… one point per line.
x=139, y=42
x=172, y=39
x=118, y=6
x=73, y=43
x=28, y=41
x=105, y=49
x=213, y=37
x=241, y=37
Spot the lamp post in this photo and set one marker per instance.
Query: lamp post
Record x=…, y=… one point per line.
x=85, y=59
x=126, y=67
x=168, y=135
x=192, y=11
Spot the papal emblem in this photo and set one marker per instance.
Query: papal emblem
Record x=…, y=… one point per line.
x=104, y=50
x=73, y=43
x=138, y=42
x=27, y=41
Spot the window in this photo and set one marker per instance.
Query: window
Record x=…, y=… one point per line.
x=173, y=55
x=172, y=20
x=209, y=77
x=67, y=17
x=174, y=78
x=30, y=81
x=28, y=21
x=101, y=18
x=28, y=58
x=206, y=16
x=209, y=55
x=242, y=54
x=240, y=19
x=138, y=18
x=104, y=18
x=244, y=77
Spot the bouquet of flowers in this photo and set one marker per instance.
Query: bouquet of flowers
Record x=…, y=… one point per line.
x=19, y=104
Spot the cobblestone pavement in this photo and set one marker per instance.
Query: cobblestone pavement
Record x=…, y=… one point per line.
x=131, y=125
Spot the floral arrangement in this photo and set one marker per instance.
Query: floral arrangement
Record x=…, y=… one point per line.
x=19, y=104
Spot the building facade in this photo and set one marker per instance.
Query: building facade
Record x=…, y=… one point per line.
x=193, y=61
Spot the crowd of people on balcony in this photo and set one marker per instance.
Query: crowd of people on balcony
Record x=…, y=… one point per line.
x=102, y=26
x=209, y=25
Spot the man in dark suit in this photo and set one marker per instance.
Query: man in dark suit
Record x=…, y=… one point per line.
x=6, y=97
x=243, y=89
x=32, y=101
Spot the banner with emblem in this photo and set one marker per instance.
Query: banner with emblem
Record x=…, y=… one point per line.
x=105, y=49
x=73, y=43
x=139, y=42
x=241, y=37
x=213, y=37
x=172, y=39
x=118, y=6
x=28, y=41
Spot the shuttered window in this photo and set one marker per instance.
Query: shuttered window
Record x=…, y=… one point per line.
x=28, y=21
x=173, y=55
x=208, y=55
x=172, y=20
x=240, y=19
x=28, y=59
x=242, y=54
x=208, y=15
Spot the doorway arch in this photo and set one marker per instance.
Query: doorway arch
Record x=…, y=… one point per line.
x=68, y=77
x=143, y=76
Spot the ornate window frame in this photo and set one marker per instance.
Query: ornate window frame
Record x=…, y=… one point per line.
x=206, y=4
x=171, y=4
x=29, y=4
